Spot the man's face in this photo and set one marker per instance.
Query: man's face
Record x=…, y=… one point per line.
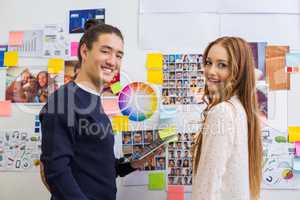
x=103, y=61
x=137, y=138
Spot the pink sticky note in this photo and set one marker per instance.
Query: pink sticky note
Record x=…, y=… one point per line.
x=16, y=38
x=74, y=48
x=5, y=108
x=175, y=192
x=111, y=106
x=297, y=144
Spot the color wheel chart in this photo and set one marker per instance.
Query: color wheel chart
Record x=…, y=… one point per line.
x=138, y=101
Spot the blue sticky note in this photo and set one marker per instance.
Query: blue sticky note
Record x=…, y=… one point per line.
x=167, y=113
x=3, y=49
x=293, y=59
x=296, y=165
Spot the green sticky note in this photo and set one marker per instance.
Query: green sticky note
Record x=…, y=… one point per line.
x=166, y=132
x=116, y=87
x=156, y=181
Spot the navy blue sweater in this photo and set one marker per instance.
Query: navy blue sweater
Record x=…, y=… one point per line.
x=77, y=147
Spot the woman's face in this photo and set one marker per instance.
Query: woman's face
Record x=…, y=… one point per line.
x=216, y=68
x=42, y=79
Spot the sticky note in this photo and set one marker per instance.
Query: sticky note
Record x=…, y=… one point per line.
x=155, y=76
x=296, y=164
x=55, y=65
x=74, y=48
x=294, y=133
x=111, y=106
x=120, y=123
x=3, y=49
x=16, y=38
x=166, y=132
x=156, y=181
x=167, y=113
x=11, y=59
x=175, y=192
x=154, y=61
x=297, y=145
x=116, y=87
x=5, y=108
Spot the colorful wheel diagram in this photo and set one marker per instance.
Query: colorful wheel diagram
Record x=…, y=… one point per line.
x=138, y=101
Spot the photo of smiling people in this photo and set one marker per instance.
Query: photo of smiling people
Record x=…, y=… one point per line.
x=30, y=84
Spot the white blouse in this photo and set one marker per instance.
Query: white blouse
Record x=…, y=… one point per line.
x=223, y=172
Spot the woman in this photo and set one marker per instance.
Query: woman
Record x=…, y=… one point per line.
x=228, y=151
x=42, y=82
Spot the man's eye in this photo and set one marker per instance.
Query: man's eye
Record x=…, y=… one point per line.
x=105, y=51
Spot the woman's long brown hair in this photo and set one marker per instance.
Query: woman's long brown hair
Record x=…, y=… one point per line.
x=242, y=83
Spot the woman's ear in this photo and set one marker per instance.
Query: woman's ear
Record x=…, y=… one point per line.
x=83, y=52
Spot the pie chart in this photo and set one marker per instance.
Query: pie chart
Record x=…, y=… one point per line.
x=138, y=101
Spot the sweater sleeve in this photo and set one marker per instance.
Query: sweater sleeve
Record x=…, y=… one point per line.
x=215, y=152
x=57, y=154
x=122, y=168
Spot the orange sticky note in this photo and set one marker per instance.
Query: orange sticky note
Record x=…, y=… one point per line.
x=11, y=59
x=175, y=192
x=154, y=61
x=111, y=106
x=155, y=76
x=16, y=38
x=5, y=108
x=120, y=123
x=294, y=133
x=55, y=65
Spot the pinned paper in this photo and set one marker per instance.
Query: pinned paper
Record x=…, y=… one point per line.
x=74, y=48
x=156, y=181
x=154, y=61
x=297, y=145
x=116, y=87
x=176, y=192
x=294, y=133
x=16, y=38
x=3, y=49
x=155, y=76
x=167, y=113
x=111, y=106
x=296, y=165
x=55, y=65
x=11, y=59
x=5, y=108
x=166, y=132
x=120, y=123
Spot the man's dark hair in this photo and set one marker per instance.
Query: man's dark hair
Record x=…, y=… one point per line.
x=91, y=35
x=90, y=23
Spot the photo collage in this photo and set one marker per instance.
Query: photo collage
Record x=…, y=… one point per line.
x=183, y=79
x=180, y=161
x=134, y=143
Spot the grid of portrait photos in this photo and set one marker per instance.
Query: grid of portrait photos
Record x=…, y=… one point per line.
x=134, y=143
x=180, y=160
x=183, y=79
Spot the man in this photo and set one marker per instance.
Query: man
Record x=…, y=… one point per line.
x=77, y=141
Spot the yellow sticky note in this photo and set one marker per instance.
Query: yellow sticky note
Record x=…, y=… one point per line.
x=116, y=87
x=120, y=123
x=155, y=76
x=294, y=133
x=154, y=61
x=156, y=181
x=55, y=65
x=167, y=132
x=11, y=59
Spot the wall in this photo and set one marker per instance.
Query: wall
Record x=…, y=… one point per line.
x=22, y=15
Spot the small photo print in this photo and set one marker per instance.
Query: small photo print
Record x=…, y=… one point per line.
x=160, y=163
x=138, y=137
x=127, y=138
x=30, y=84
